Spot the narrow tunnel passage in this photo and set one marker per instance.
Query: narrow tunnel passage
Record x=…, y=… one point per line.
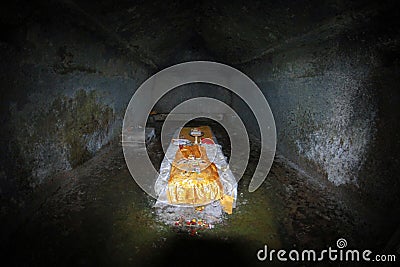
x=328, y=69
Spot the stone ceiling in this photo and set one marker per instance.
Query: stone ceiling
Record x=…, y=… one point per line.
x=232, y=31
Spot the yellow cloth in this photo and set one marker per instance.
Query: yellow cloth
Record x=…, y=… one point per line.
x=227, y=203
x=193, y=178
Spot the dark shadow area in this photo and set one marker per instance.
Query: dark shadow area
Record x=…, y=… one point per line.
x=191, y=251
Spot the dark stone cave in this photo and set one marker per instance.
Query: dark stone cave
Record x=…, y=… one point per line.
x=328, y=69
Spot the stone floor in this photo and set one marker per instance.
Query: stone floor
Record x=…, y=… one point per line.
x=96, y=215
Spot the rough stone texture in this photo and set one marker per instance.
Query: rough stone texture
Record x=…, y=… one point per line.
x=329, y=70
x=97, y=207
x=64, y=94
x=327, y=99
x=325, y=117
x=251, y=29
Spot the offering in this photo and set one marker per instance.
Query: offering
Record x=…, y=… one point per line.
x=196, y=133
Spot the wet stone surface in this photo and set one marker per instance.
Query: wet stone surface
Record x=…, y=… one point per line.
x=97, y=215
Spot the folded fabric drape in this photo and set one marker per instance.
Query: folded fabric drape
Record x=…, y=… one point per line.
x=193, y=178
x=196, y=174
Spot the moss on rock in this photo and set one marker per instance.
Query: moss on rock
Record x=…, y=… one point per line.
x=81, y=117
x=63, y=135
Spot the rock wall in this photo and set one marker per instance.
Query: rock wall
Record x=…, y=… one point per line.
x=64, y=93
x=334, y=105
